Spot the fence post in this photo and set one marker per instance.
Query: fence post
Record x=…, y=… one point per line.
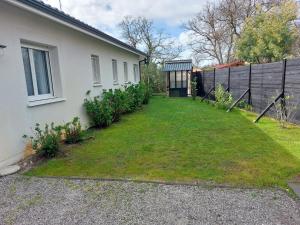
x=283, y=103
x=214, y=78
x=229, y=71
x=203, y=82
x=214, y=83
x=250, y=83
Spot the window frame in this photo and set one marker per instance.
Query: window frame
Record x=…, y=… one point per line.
x=96, y=82
x=115, y=71
x=126, y=80
x=136, y=72
x=36, y=96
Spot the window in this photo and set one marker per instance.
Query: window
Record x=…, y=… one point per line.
x=96, y=69
x=172, y=80
x=125, y=72
x=136, y=72
x=37, y=73
x=115, y=71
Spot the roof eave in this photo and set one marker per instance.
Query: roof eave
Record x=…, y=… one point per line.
x=59, y=16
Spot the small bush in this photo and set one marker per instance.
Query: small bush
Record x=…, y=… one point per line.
x=73, y=131
x=46, y=142
x=223, y=98
x=194, y=88
x=114, y=103
x=134, y=97
x=99, y=112
x=147, y=93
x=244, y=105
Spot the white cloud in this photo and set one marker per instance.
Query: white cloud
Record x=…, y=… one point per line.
x=108, y=13
x=184, y=39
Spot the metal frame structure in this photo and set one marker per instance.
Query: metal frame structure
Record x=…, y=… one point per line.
x=248, y=91
x=280, y=97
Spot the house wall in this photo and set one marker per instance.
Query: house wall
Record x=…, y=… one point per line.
x=72, y=71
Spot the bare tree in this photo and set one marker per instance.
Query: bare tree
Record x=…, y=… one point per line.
x=215, y=29
x=130, y=31
x=140, y=32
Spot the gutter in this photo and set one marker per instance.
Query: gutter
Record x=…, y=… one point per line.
x=59, y=16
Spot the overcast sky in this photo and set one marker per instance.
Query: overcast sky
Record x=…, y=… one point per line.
x=106, y=14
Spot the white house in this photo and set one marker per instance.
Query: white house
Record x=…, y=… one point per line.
x=48, y=61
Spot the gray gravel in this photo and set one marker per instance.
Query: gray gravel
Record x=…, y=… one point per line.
x=36, y=201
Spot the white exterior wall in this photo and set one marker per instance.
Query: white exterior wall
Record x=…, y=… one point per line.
x=74, y=72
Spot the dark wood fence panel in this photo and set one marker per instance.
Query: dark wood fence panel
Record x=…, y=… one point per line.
x=208, y=80
x=266, y=83
x=292, y=84
x=222, y=77
x=239, y=80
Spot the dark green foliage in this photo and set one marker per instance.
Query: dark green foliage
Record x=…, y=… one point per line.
x=46, y=142
x=244, y=105
x=108, y=109
x=73, y=131
x=134, y=94
x=114, y=100
x=98, y=112
x=194, y=88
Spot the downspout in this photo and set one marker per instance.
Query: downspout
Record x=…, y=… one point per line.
x=146, y=61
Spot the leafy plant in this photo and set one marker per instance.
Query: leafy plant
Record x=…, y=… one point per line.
x=134, y=97
x=114, y=99
x=194, y=88
x=73, y=131
x=244, y=105
x=46, y=142
x=99, y=112
x=223, y=98
x=268, y=36
x=114, y=103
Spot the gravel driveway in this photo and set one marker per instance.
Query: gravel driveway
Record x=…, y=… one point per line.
x=26, y=200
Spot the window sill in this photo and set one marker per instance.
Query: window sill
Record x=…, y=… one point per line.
x=97, y=85
x=45, y=102
x=116, y=83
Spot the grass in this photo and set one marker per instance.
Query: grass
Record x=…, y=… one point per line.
x=178, y=139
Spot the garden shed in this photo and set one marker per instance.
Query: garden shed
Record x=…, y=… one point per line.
x=178, y=77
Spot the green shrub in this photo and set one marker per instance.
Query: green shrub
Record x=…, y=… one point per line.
x=102, y=112
x=115, y=100
x=99, y=112
x=147, y=93
x=46, y=142
x=223, y=98
x=73, y=131
x=194, y=88
x=244, y=105
x=134, y=97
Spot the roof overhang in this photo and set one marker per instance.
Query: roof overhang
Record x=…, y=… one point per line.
x=40, y=8
x=178, y=65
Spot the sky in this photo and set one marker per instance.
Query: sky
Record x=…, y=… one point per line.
x=168, y=15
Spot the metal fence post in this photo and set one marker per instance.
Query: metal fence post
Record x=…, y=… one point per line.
x=283, y=103
x=250, y=83
x=214, y=78
x=229, y=71
x=215, y=83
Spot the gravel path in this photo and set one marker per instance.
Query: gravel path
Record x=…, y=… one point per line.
x=36, y=201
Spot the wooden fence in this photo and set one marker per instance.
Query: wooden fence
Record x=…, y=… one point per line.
x=264, y=81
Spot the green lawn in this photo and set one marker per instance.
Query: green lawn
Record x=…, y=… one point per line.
x=182, y=140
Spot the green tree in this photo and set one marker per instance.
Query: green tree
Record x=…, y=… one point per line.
x=154, y=77
x=269, y=34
